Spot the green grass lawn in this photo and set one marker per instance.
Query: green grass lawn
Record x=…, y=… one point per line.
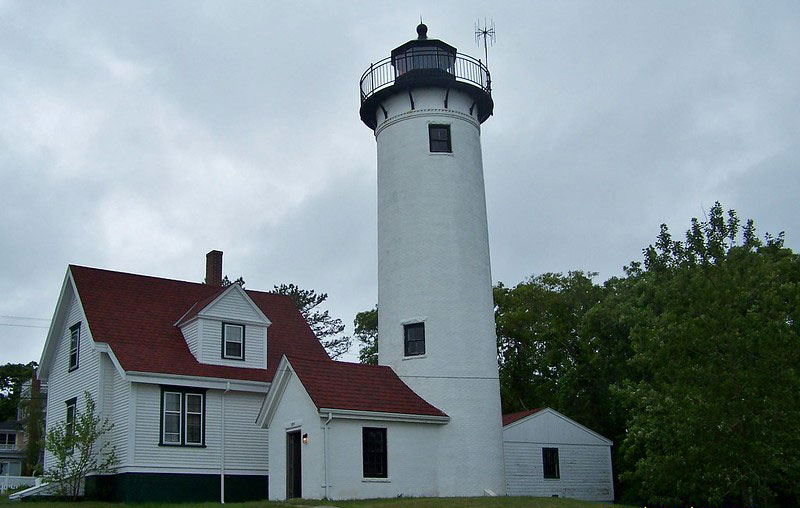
x=469, y=502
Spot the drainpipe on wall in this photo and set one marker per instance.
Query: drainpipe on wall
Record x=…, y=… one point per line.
x=222, y=447
x=325, y=452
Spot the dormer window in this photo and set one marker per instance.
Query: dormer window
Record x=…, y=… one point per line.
x=232, y=341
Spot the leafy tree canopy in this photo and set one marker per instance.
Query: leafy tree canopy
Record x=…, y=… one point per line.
x=689, y=363
x=715, y=400
x=12, y=375
x=366, y=333
x=327, y=328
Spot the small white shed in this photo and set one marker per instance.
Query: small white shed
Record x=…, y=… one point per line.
x=547, y=454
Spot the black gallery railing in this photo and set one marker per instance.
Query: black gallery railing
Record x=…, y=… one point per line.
x=428, y=62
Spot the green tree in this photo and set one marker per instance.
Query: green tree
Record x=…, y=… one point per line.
x=556, y=349
x=227, y=282
x=32, y=417
x=12, y=375
x=715, y=396
x=366, y=333
x=78, y=449
x=327, y=329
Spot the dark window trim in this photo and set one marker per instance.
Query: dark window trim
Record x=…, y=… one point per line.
x=72, y=329
x=552, y=472
x=183, y=391
x=446, y=127
x=382, y=454
x=406, y=328
x=224, y=356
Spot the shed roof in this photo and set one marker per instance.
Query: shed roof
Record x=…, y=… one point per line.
x=513, y=417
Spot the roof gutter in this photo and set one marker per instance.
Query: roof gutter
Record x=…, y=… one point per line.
x=353, y=414
x=241, y=385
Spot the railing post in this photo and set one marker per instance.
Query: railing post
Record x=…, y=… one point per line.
x=371, y=79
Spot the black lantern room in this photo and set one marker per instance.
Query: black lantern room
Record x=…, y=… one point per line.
x=425, y=62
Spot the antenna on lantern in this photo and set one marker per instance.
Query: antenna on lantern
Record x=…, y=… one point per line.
x=488, y=34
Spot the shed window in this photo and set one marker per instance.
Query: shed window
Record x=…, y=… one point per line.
x=414, y=339
x=439, y=137
x=374, y=451
x=550, y=462
x=233, y=341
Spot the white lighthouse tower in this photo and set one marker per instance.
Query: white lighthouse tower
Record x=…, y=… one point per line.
x=426, y=103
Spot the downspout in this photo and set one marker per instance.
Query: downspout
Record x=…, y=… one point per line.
x=222, y=447
x=325, y=451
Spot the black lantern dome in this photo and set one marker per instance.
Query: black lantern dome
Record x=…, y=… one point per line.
x=425, y=62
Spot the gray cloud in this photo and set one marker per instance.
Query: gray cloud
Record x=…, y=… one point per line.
x=137, y=137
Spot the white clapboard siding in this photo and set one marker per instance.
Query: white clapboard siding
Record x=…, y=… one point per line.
x=189, y=331
x=64, y=385
x=234, y=306
x=584, y=458
x=240, y=438
x=119, y=414
x=148, y=420
x=255, y=344
x=246, y=444
x=584, y=471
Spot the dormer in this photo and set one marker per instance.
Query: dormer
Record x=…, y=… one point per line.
x=226, y=328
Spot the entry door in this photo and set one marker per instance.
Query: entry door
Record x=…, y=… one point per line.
x=294, y=483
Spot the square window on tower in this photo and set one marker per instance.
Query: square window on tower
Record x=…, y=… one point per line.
x=439, y=137
x=414, y=339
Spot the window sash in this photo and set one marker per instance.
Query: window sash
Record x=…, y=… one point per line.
x=374, y=452
x=171, y=433
x=8, y=441
x=414, y=339
x=550, y=463
x=439, y=138
x=182, y=417
x=194, y=419
x=233, y=341
x=74, y=346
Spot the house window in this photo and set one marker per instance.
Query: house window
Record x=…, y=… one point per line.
x=550, y=462
x=8, y=441
x=233, y=341
x=10, y=468
x=373, y=446
x=182, y=417
x=414, y=339
x=71, y=413
x=439, y=137
x=194, y=419
x=173, y=402
x=74, y=346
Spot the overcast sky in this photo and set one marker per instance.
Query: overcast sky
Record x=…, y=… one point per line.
x=137, y=136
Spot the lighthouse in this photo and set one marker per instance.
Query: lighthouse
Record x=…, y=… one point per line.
x=426, y=104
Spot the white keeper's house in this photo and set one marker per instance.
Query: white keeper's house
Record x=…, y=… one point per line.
x=225, y=393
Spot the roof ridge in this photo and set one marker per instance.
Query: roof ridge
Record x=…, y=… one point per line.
x=166, y=279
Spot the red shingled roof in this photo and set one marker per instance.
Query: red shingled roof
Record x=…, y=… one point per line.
x=513, y=417
x=136, y=315
x=359, y=387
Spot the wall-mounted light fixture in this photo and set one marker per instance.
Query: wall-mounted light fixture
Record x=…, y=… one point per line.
x=305, y=438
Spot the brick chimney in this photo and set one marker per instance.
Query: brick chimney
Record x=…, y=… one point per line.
x=214, y=268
